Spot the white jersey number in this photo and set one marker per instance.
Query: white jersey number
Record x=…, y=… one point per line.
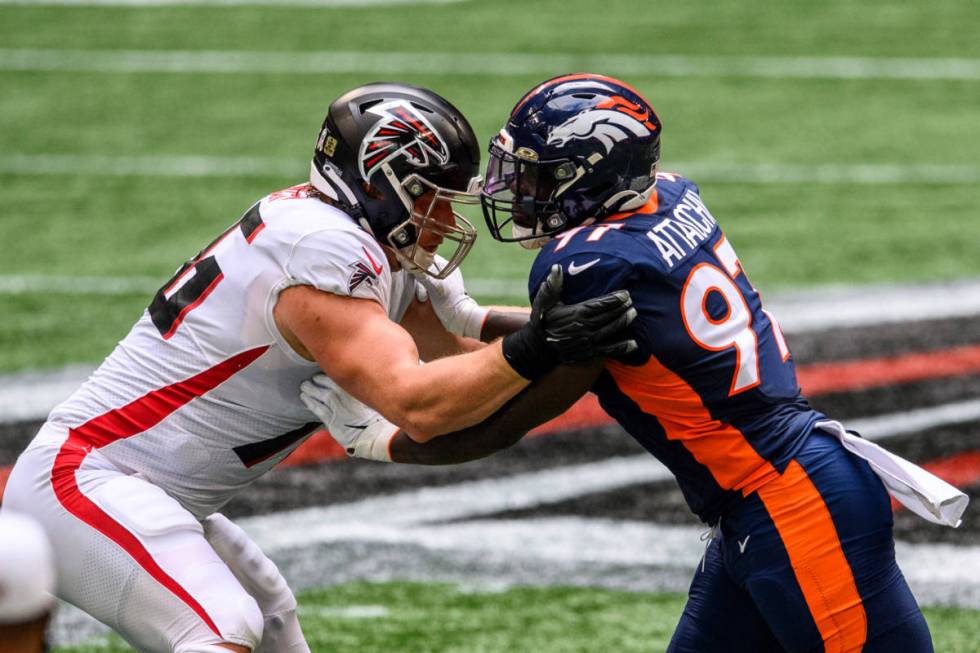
x=733, y=328
x=196, y=279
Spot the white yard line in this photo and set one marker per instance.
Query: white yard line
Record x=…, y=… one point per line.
x=256, y=166
x=472, y=63
x=385, y=517
x=30, y=284
x=816, y=309
x=919, y=419
x=31, y=395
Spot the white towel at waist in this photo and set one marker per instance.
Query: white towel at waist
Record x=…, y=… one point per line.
x=923, y=493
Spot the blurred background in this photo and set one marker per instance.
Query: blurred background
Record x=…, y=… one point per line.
x=838, y=144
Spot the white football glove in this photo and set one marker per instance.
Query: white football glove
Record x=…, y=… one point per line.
x=359, y=429
x=457, y=311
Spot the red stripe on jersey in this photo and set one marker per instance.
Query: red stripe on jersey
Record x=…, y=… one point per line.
x=255, y=232
x=121, y=423
x=4, y=475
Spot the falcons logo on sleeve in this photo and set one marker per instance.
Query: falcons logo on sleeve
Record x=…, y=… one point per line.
x=401, y=132
x=362, y=272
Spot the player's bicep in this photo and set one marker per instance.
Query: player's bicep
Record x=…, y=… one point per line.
x=351, y=339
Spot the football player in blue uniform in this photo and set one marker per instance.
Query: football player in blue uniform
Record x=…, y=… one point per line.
x=803, y=553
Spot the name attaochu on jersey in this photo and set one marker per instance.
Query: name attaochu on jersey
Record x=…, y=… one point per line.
x=688, y=225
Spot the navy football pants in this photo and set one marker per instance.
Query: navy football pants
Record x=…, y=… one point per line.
x=806, y=563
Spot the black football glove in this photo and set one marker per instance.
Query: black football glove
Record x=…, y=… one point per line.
x=559, y=333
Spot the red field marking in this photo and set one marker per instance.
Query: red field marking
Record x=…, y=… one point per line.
x=585, y=413
x=816, y=379
x=822, y=378
x=319, y=447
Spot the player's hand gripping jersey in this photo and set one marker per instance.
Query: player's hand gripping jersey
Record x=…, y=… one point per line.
x=712, y=389
x=201, y=397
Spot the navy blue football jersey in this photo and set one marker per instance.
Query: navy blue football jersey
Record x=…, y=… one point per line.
x=712, y=389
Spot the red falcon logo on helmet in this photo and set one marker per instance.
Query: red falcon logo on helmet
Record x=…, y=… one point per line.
x=402, y=132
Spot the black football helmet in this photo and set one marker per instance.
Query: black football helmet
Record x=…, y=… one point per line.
x=384, y=145
x=575, y=149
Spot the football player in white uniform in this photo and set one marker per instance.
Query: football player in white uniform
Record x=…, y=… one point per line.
x=202, y=396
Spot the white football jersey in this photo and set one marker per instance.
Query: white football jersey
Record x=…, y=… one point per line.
x=202, y=397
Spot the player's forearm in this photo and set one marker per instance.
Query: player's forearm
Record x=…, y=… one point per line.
x=451, y=394
x=543, y=400
x=501, y=322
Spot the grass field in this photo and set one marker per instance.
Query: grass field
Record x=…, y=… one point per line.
x=87, y=218
x=836, y=142
x=385, y=617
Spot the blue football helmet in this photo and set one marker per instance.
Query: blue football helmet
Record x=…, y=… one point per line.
x=575, y=149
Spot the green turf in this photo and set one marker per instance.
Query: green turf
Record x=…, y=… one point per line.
x=710, y=120
x=427, y=618
x=794, y=27
x=787, y=235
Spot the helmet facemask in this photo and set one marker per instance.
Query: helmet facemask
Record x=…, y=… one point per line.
x=521, y=191
x=433, y=224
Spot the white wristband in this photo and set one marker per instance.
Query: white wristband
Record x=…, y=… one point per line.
x=375, y=442
x=473, y=320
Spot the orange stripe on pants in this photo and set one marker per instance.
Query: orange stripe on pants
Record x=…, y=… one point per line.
x=795, y=506
x=807, y=530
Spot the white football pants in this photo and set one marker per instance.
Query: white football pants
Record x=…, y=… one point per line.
x=130, y=555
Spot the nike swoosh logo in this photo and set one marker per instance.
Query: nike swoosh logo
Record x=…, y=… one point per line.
x=575, y=269
x=356, y=426
x=742, y=543
x=377, y=268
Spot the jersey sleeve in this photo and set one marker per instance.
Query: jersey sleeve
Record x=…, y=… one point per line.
x=584, y=274
x=591, y=272
x=344, y=262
